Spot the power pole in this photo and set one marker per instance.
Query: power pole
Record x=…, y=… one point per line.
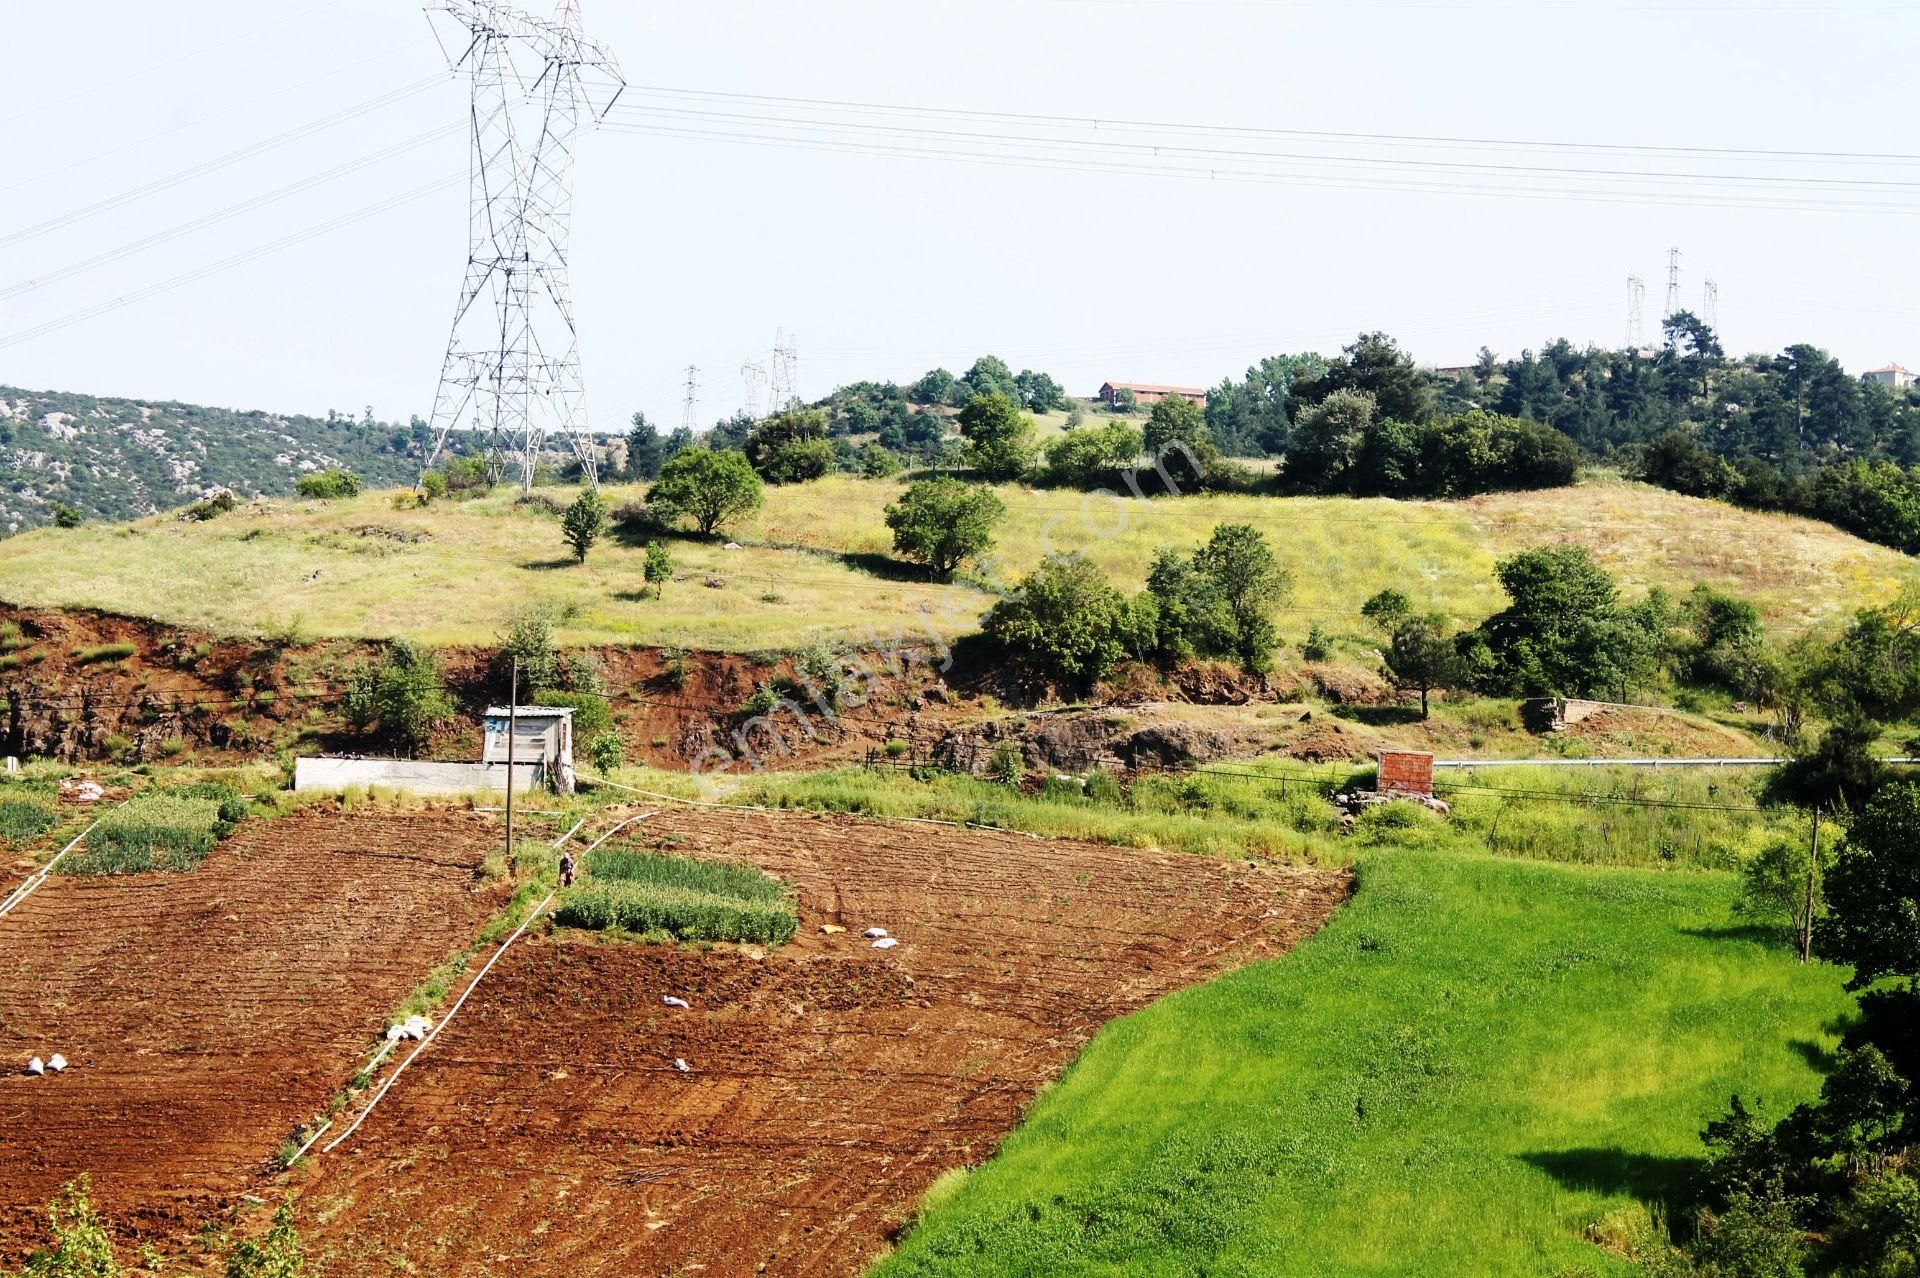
x=691, y=410
x=1636, y=312
x=1813, y=872
x=786, y=371
x=754, y=378
x=513, y=730
x=1710, y=303
x=512, y=370
x=1673, y=282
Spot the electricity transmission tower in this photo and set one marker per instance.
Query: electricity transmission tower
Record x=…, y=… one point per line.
x=754, y=377
x=692, y=410
x=1636, y=312
x=1673, y=282
x=786, y=371
x=512, y=371
x=1710, y=303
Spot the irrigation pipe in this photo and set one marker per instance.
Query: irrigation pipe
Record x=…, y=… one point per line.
x=471, y=985
x=761, y=807
x=34, y=880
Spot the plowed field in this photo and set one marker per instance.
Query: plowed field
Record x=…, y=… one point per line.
x=549, y=1129
x=207, y=1014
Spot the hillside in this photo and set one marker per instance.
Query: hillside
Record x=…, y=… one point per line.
x=123, y=458
x=815, y=564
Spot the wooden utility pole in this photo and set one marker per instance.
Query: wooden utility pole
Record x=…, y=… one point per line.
x=1813, y=870
x=513, y=730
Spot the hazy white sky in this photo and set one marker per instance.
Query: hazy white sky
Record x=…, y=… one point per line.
x=694, y=250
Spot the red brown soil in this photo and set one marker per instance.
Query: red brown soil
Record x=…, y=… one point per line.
x=206, y=1015
x=548, y=1131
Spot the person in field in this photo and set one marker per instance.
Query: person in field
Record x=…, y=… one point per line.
x=566, y=869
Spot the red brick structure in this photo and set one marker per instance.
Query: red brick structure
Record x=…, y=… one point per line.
x=1406, y=772
x=1148, y=393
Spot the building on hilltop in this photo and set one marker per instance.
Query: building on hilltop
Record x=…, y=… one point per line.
x=1148, y=393
x=1893, y=377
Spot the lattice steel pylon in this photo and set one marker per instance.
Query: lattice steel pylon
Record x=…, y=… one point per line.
x=512, y=371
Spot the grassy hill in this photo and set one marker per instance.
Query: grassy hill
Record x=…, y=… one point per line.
x=815, y=564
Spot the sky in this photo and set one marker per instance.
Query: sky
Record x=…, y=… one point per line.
x=150, y=245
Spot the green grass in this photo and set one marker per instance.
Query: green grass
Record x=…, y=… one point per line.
x=22, y=821
x=681, y=898
x=104, y=652
x=822, y=550
x=1474, y=1064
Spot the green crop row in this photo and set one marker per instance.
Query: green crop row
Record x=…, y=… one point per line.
x=713, y=878
x=172, y=829
x=685, y=915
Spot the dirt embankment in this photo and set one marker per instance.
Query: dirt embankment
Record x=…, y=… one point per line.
x=550, y=1129
x=206, y=1015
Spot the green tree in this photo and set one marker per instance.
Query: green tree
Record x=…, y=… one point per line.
x=81, y=1246
x=1423, y=657
x=1177, y=440
x=709, y=488
x=401, y=696
x=659, y=567
x=1780, y=888
x=584, y=523
x=991, y=376
x=275, y=1254
x=1873, y=892
x=1374, y=365
x=67, y=517
x=791, y=447
x=1039, y=392
x=999, y=437
x=1125, y=401
x=1065, y=625
x=646, y=451
x=1222, y=600
x=1324, y=453
x=1388, y=609
x=942, y=523
x=876, y=462
x=1088, y=456
x=1552, y=637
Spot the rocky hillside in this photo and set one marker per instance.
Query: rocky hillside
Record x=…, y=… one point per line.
x=118, y=459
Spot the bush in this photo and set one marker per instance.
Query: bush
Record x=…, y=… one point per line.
x=591, y=714
x=1008, y=764
x=791, y=447
x=999, y=437
x=211, y=507
x=607, y=751
x=1318, y=645
x=81, y=1247
x=1092, y=456
x=709, y=488
x=276, y=1254
x=1065, y=625
x=584, y=522
x=329, y=485
x=67, y=517
x=402, y=695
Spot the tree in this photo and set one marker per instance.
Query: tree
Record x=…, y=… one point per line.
x=1125, y=401
x=1039, y=392
x=1065, y=625
x=1780, y=888
x=791, y=447
x=991, y=376
x=878, y=463
x=67, y=517
x=999, y=437
x=1178, y=441
x=1088, y=456
x=659, y=567
x=1388, y=609
x=1327, y=442
x=707, y=487
x=646, y=451
x=1243, y=573
x=401, y=696
x=1873, y=892
x=936, y=387
x=942, y=523
x=1423, y=657
x=1375, y=365
x=584, y=522
x=1549, y=638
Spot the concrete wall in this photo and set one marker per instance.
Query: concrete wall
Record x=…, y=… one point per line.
x=412, y=777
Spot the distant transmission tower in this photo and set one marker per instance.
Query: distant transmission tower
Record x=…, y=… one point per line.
x=1710, y=304
x=754, y=378
x=512, y=371
x=1636, y=312
x=1673, y=282
x=786, y=371
x=692, y=412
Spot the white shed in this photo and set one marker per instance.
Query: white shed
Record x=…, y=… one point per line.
x=541, y=734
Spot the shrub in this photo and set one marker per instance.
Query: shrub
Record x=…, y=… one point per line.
x=1318, y=645
x=791, y=447
x=402, y=695
x=876, y=462
x=329, y=485
x=583, y=523
x=211, y=507
x=276, y=1254
x=466, y=476
x=432, y=487
x=1008, y=764
x=67, y=517
x=1065, y=625
x=591, y=715
x=762, y=701
x=1090, y=456
x=81, y=1247
x=636, y=519
x=999, y=437
x=607, y=751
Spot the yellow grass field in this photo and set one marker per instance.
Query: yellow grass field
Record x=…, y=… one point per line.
x=814, y=564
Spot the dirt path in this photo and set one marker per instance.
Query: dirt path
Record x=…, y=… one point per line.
x=207, y=1014
x=549, y=1131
